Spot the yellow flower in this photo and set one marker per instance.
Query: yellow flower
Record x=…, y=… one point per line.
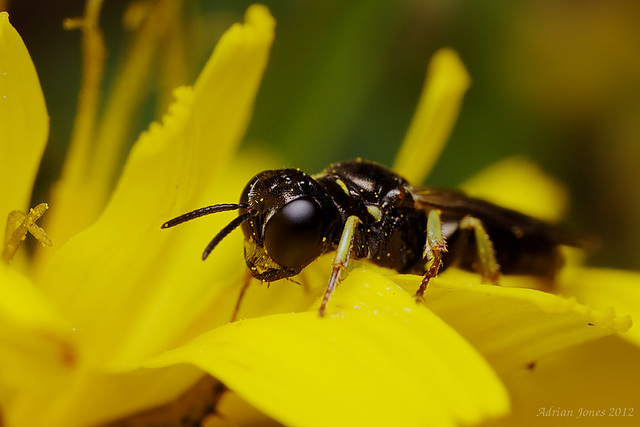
x=121, y=316
x=79, y=320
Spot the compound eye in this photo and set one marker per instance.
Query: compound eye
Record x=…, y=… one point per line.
x=293, y=234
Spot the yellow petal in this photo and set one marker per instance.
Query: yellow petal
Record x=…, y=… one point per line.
x=227, y=86
x=595, y=384
x=606, y=289
x=129, y=88
x=517, y=183
x=437, y=111
x=130, y=287
x=95, y=397
x=36, y=350
x=71, y=194
x=511, y=326
x=24, y=123
x=376, y=359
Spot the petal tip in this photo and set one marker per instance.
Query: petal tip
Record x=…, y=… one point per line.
x=447, y=60
x=259, y=16
x=4, y=23
x=446, y=82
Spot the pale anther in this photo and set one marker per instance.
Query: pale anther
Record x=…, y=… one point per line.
x=18, y=225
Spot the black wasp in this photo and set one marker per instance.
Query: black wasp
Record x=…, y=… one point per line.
x=362, y=209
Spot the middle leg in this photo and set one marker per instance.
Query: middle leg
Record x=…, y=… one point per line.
x=434, y=248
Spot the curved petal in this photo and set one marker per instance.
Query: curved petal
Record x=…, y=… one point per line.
x=378, y=359
x=517, y=183
x=128, y=286
x=93, y=397
x=227, y=86
x=24, y=123
x=606, y=288
x=437, y=111
x=512, y=326
x=35, y=341
x=596, y=383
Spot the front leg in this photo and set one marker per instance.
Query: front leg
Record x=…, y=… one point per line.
x=245, y=286
x=341, y=259
x=434, y=247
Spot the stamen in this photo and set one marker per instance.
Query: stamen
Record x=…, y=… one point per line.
x=18, y=225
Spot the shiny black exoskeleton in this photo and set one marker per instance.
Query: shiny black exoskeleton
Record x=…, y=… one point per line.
x=297, y=218
x=362, y=209
x=392, y=232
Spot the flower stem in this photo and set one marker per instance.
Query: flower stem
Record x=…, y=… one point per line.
x=93, y=52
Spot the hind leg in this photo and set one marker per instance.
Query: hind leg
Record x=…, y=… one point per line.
x=487, y=265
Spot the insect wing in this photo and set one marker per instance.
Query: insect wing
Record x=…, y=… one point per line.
x=453, y=203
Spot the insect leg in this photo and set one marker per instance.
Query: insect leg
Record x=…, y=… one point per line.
x=487, y=265
x=434, y=247
x=245, y=286
x=341, y=259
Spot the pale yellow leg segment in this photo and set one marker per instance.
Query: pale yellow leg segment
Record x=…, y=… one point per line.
x=341, y=259
x=18, y=225
x=487, y=265
x=434, y=247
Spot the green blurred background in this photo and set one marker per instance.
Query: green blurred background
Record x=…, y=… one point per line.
x=557, y=81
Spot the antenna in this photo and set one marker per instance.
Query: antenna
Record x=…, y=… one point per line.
x=202, y=212
x=210, y=210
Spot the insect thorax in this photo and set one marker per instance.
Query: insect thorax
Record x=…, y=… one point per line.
x=392, y=229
